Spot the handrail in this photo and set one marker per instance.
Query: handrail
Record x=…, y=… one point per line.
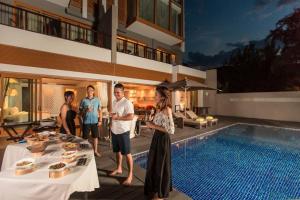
x=143, y=51
x=32, y=21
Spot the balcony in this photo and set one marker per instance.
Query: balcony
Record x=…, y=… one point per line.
x=141, y=50
x=28, y=22
x=161, y=20
x=35, y=22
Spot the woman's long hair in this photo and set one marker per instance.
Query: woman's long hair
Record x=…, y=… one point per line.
x=165, y=98
x=67, y=94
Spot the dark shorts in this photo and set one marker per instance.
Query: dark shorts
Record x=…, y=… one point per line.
x=86, y=128
x=121, y=143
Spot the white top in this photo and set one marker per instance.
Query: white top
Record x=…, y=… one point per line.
x=161, y=119
x=122, y=108
x=38, y=185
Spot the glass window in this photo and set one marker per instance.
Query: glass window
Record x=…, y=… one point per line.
x=176, y=19
x=162, y=13
x=158, y=55
x=120, y=45
x=141, y=51
x=34, y=23
x=146, y=10
x=19, y=100
x=149, y=53
x=130, y=48
x=173, y=59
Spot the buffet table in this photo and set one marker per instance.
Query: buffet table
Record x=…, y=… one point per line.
x=38, y=185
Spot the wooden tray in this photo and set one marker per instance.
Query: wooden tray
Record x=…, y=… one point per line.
x=20, y=172
x=58, y=174
x=70, y=160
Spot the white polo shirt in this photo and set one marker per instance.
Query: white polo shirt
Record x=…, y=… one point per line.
x=122, y=108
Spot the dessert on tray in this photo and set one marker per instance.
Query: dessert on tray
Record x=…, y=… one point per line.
x=58, y=170
x=70, y=146
x=24, y=166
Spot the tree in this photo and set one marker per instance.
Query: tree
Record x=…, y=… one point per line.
x=287, y=32
x=275, y=67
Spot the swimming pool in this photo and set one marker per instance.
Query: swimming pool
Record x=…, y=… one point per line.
x=239, y=162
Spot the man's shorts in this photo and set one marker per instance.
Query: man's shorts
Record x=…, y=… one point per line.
x=90, y=127
x=121, y=143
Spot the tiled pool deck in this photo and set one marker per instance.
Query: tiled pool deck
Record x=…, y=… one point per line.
x=110, y=186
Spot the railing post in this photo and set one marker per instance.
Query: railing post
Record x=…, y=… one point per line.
x=26, y=22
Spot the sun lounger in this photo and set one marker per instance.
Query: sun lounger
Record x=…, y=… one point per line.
x=212, y=120
x=197, y=123
x=192, y=115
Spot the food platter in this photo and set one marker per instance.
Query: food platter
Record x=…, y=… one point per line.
x=69, y=156
x=35, y=141
x=70, y=146
x=37, y=150
x=24, y=166
x=58, y=170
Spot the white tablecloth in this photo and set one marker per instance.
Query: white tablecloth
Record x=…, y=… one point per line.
x=37, y=185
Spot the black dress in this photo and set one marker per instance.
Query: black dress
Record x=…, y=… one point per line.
x=70, y=119
x=159, y=173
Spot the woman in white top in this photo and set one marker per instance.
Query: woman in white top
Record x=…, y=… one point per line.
x=158, y=182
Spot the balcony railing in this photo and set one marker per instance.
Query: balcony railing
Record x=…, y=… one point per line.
x=143, y=51
x=36, y=22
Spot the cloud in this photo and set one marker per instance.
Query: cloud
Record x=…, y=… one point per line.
x=236, y=44
x=285, y=2
x=259, y=4
x=266, y=8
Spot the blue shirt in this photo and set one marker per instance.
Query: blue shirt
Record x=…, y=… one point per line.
x=95, y=105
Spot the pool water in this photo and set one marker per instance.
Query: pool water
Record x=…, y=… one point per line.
x=238, y=162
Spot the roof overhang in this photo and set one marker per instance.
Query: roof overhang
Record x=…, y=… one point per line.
x=150, y=30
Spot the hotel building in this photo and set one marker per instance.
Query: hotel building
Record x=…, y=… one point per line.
x=50, y=46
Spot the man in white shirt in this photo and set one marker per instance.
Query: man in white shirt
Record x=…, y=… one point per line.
x=122, y=115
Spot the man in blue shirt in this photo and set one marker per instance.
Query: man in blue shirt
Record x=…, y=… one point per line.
x=90, y=110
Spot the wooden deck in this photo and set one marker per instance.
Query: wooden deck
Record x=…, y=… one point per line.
x=110, y=187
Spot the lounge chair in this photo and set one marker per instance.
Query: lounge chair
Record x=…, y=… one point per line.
x=212, y=120
x=191, y=115
x=197, y=123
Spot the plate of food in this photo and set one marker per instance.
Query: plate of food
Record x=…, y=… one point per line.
x=57, y=167
x=69, y=154
x=67, y=138
x=52, y=133
x=36, y=141
x=70, y=146
x=26, y=163
x=37, y=148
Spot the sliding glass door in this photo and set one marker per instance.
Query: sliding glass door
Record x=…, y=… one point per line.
x=19, y=99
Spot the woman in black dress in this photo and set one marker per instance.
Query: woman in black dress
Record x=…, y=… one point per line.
x=158, y=182
x=68, y=114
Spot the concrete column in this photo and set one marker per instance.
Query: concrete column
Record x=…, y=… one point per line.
x=110, y=94
x=175, y=94
x=104, y=5
x=84, y=8
x=114, y=26
x=210, y=96
x=182, y=46
x=200, y=100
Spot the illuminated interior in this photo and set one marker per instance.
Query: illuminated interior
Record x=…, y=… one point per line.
x=142, y=96
x=25, y=101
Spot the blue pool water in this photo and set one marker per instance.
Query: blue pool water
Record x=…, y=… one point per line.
x=238, y=162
